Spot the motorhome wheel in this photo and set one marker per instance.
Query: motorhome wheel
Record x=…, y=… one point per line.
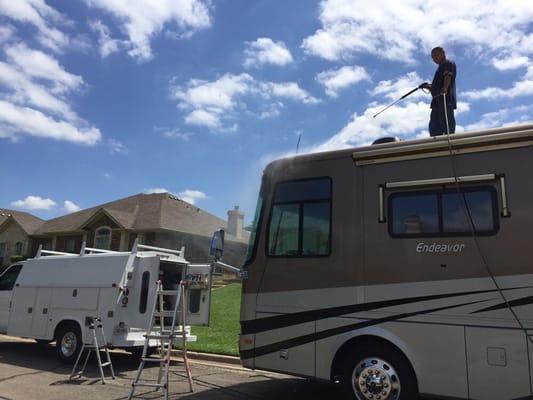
x=68, y=343
x=378, y=373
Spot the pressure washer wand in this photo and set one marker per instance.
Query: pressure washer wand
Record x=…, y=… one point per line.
x=421, y=86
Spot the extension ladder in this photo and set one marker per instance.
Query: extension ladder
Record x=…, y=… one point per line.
x=95, y=326
x=166, y=337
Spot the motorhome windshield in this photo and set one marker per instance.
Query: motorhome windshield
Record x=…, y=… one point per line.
x=255, y=225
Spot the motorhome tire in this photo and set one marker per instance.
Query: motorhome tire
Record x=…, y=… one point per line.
x=68, y=343
x=378, y=372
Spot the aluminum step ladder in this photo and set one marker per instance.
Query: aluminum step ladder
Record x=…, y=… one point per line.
x=166, y=336
x=95, y=326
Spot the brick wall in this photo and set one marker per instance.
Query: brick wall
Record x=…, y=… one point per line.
x=63, y=241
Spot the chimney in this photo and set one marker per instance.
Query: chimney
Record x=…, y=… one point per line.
x=235, y=222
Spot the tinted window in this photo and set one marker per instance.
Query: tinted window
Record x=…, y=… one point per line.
x=255, y=227
x=315, y=240
x=194, y=301
x=284, y=228
x=145, y=282
x=300, y=219
x=455, y=214
x=441, y=213
x=303, y=190
x=7, y=280
x=415, y=214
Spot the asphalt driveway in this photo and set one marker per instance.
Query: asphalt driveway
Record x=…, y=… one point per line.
x=30, y=371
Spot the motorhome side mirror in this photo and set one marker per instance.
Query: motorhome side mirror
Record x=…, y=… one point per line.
x=217, y=245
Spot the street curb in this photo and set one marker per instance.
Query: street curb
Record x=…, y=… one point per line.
x=220, y=358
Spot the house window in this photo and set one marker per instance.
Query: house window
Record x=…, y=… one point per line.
x=443, y=213
x=70, y=245
x=19, y=246
x=300, y=221
x=102, y=238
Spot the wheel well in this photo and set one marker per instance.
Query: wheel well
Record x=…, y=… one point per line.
x=361, y=341
x=66, y=322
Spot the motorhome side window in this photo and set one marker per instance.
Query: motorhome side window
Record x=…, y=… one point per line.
x=300, y=219
x=443, y=213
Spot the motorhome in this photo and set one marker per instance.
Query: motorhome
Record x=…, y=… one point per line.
x=55, y=297
x=397, y=269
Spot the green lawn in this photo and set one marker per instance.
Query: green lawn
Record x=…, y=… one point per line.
x=222, y=334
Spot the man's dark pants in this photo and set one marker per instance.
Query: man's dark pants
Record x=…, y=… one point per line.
x=437, y=121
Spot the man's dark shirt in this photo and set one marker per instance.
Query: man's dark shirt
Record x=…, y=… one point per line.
x=446, y=68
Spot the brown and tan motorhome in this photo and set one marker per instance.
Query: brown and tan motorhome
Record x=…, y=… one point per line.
x=397, y=269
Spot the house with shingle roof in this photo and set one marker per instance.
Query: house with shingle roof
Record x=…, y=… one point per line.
x=159, y=219
x=16, y=228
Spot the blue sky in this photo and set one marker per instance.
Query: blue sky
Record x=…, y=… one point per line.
x=102, y=99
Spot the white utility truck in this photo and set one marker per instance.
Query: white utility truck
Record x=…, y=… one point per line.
x=55, y=297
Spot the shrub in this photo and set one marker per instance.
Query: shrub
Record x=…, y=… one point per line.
x=17, y=258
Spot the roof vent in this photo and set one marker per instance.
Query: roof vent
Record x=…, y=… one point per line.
x=386, y=139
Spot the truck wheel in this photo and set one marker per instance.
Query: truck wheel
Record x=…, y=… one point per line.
x=68, y=343
x=378, y=372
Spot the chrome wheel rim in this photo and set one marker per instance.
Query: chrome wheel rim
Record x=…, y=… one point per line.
x=69, y=343
x=375, y=379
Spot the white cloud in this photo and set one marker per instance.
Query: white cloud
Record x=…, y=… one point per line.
x=215, y=104
x=36, y=64
x=288, y=90
x=192, y=196
x=142, y=19
x=217, y=95
x=116, y=147
x=394, y=89
x=176, y=133
x=363, y=129
x=156, y=190
x=41, y=16
x=70, y=206
x=502, y=117
x=24, y=91
x=511, y=62
x=397, y=30
x=336, y=79
x=34, y=100
x=15, y=120
x=519, y=88
x=204, y=118
x=6, y=32
x=107, y=45
x=34, y=203
x=188, y=195
x=265, y=51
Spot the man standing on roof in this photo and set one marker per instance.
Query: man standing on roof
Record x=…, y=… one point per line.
x=443, y=84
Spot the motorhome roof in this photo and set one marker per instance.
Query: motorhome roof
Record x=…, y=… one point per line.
x=483, y=140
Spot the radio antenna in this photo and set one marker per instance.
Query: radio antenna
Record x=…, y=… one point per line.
x=298, y=144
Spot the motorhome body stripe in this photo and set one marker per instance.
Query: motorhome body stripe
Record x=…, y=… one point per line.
x=300, y=340
x=284, y=320
x=513, y=303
